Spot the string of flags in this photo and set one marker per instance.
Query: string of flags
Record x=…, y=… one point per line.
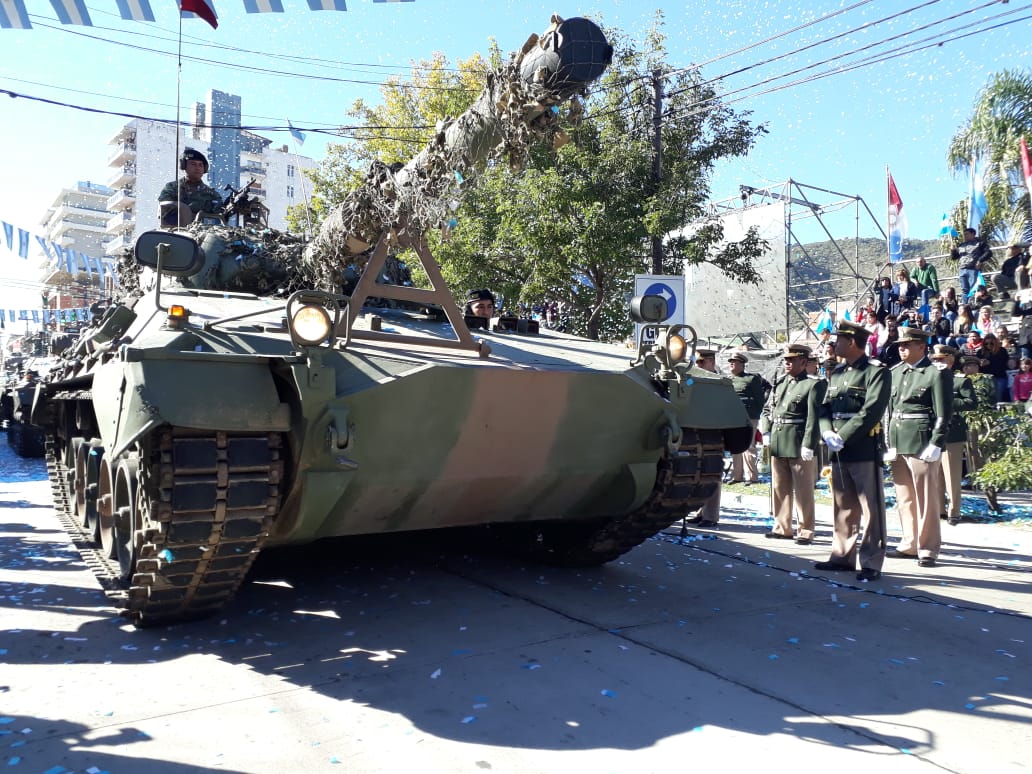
x=72, y=261
x=13, y=13
x=83, y=314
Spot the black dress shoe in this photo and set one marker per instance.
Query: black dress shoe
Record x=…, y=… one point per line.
x=777, y=536
x=867, y=574
x=698, y=521
x=943, y=516
x=833, y=566
x=894, y=554
x=926, y=561
x=954, y=521
x=804, y=541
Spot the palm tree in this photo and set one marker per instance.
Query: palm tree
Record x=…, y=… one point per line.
x=999, y=119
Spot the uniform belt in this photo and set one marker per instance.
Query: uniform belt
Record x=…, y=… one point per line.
x=903, y=415
x=843, y=415
x=783, y=421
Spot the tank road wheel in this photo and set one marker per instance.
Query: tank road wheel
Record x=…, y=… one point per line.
x=70, y=450
x=105, y=510
x=94, y=458
x=126, y=516
x=79, y=452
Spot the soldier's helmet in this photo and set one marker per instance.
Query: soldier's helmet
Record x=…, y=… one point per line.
x=191, y=154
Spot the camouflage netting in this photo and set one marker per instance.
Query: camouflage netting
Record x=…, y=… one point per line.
x=514, y=112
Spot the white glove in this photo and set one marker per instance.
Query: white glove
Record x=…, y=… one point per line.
x=806, y=453
x=766, y=439
x=930, y=454
x=833, y=440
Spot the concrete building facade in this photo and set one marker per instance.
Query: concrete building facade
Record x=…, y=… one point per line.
x=145, y=158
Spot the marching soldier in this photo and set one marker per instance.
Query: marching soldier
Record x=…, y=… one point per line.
x=752, y=392
x=790, y=427
x=919, y=414
x=709, y=514
x=964, y=399
x=858, y=392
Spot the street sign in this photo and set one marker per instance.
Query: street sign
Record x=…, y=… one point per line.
x=669, y=287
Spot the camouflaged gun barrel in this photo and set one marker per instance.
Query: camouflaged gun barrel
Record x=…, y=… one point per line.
x=514, y=111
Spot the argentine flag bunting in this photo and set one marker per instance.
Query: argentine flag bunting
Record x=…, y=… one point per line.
x=263, y=6
x=328, y=5
x=946, y=228
x=13, y=15
x=72, y=12
x=135, y=10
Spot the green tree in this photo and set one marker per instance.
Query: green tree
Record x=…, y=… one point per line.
x=578, y=222
x=999, y=118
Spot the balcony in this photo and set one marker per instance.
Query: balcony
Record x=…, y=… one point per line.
x=117, y=244
x=253, y=168
x=117, y=224
x=124, y=152
x=122, y=199
x=123, y=176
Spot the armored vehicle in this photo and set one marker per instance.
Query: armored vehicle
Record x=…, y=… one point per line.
x=203, y=417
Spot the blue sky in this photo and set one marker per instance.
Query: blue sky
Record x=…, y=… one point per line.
x=837, y=132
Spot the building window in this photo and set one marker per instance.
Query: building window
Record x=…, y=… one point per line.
x=290, y=170
x=290, y=192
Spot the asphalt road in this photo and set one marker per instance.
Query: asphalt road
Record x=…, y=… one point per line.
x=717, y=651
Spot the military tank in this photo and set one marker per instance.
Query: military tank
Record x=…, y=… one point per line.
x=203, y=416
x=24, y=438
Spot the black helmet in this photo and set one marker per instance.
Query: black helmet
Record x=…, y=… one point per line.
x=193, y=155
x=481, y=295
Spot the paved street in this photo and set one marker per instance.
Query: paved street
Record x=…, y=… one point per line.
x=718, y=651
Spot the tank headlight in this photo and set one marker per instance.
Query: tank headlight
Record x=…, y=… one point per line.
x=311, y=325
x=676, y=348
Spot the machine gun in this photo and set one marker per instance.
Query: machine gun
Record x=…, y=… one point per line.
x=248, y=210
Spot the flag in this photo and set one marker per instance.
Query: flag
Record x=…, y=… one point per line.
x=72, y=12
x=392, y=1
x=1026, y=167
x=297, y=134
x=978, y=206
x=328, y=5
x=203, y=8
x=46, y=248
x=263, y=6
x=897, y=222
x=946, y=227
x=824, y=321
x=13, y=15
x=847, y=316
x=9, y=233
x=23, y=243
x=136, y=10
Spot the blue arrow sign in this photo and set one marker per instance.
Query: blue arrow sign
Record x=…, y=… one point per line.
x=667, y=292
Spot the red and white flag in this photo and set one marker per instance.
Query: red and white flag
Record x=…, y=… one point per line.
x=203, y=8
x=897, y=222
x=1026, y=166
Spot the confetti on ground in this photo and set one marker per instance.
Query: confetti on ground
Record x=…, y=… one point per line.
x=608, y=693
x=435, y=674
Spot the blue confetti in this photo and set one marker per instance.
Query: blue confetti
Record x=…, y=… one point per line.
x=608, y=693
x=166, y=555
x=938, y=682
x=1003, y=678
x=459, y=177
x=14, y=761
x=773, y=656
x=969, y=706
x=794, y=640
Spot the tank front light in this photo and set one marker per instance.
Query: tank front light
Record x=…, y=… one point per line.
x=178, y=316
x=676, y=348
x=311, y=325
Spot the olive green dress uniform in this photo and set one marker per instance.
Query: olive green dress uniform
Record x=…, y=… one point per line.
x=792, y=417
x=858, y=393
x=919, y=414
x=751, y=392
x=964, y=399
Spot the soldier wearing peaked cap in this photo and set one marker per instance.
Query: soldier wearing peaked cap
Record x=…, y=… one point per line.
x=709, y=513
x=790, y=427
x=850, y=421
x=919, y=412
x=964, y=399
x=752, y=391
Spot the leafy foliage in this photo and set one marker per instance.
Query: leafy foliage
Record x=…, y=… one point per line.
x=580, y=220
x=1005, y=438
x=999, y=118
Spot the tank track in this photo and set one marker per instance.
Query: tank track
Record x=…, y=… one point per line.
x=683, y=483
x=205, y=502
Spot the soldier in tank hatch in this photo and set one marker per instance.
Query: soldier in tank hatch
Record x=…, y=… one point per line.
x=181, y=201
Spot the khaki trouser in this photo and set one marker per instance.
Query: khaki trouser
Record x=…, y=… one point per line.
x=792, y=483
x=919, y=502
x=746, y=459
x=952, y=465
x=859, y=503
